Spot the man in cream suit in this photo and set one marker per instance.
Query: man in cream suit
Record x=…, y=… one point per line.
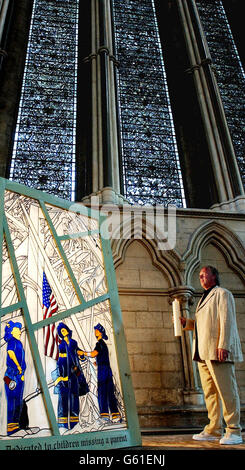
x=216, y=346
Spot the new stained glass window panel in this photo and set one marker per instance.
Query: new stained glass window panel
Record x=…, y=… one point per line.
x=9, y=294
x=151, y=169
x=44, y=147
x=82, y=327
x=19, y=388
x=36, y=251
x=80, y=237
x=228, y=70
x=67, y=222
x=88, y=267
x=65, y=392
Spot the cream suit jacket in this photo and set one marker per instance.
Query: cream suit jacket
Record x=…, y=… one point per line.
x=215, y=327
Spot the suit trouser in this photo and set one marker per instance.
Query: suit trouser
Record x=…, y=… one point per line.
x=106, y=397
x=220, y=387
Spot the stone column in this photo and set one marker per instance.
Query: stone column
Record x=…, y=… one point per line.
x=4, y=4
x=105, y=147
x=192, y=393
x=225, y=168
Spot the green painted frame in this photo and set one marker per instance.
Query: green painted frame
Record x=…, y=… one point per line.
x=105, y=440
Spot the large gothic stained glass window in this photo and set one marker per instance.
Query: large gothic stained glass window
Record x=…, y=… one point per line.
x=44, y=146
x=229, y=71
x=151, y=169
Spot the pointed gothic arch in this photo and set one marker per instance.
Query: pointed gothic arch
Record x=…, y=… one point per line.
x=222, y=238
x=167, y=261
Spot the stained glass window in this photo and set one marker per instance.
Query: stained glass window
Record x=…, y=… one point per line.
x=228, y=69
x=151, y=168
x=64, y=371
x=44, y=145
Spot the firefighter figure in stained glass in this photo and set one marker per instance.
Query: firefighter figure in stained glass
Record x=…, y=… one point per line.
x=14, y=376
x=106, y=395
x=70, y=383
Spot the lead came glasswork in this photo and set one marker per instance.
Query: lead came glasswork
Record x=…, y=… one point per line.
x=44, y=148
x=60, y=300
x=151, y=169
x=228, y=70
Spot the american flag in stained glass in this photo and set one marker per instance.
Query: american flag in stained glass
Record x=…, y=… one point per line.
x=50, y=307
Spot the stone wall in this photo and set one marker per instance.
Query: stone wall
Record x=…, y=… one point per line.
x=154, y=352
x=164, y=388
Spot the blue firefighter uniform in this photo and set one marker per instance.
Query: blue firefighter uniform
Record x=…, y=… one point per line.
x=74, y=384
x=106, y=396
x=14, y=378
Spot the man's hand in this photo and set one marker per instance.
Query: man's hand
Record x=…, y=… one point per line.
x=183, y=321
x=222, y=354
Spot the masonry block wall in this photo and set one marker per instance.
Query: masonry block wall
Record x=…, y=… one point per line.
x=156, y=355
x=154, y=352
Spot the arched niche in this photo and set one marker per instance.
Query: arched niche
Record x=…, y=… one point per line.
x=214, y=243
x=167, y=262
x=212, y=254
x=144, y=282
x=138, y=270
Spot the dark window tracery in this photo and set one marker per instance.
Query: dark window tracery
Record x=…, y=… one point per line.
x=151, y=168
x=228, y=69
x=44, y=144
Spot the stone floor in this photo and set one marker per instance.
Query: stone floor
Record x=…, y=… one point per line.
x=182, y=441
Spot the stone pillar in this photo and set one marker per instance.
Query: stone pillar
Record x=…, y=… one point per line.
x=4, y=5
x=225, y=168
x=105, y=148
x=192, y=393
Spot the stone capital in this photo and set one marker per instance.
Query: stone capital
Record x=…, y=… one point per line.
x=182, y=294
